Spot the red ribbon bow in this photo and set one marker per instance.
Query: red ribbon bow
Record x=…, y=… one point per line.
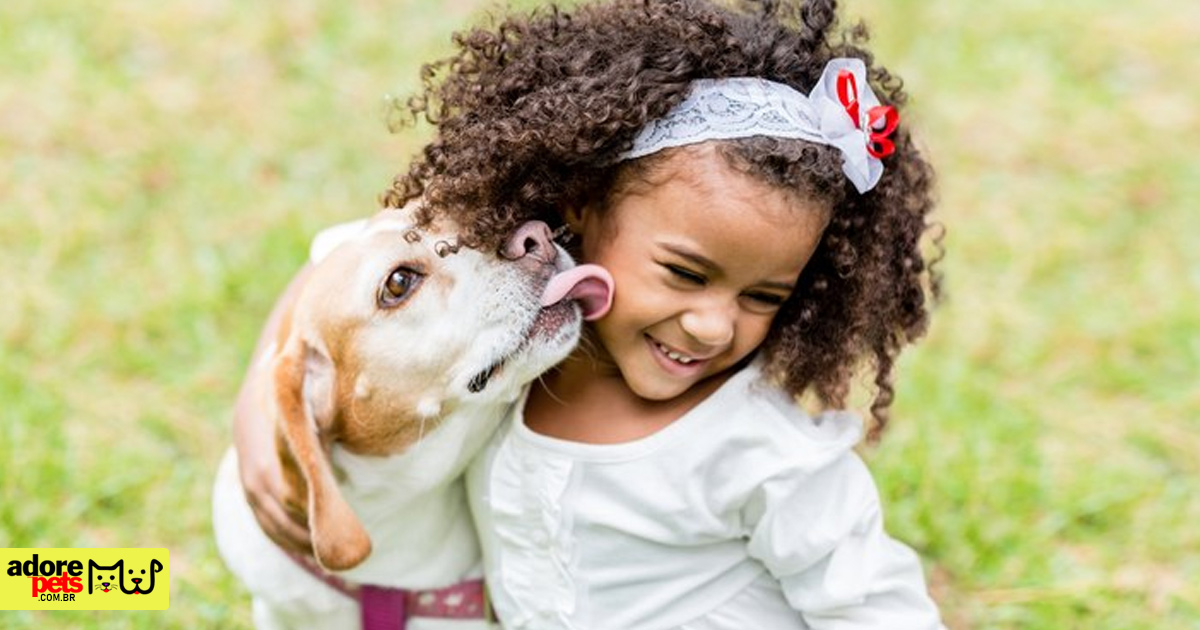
x=878, y=143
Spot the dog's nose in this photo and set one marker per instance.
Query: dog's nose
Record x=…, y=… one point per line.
x=137, y=580
x=531, y=240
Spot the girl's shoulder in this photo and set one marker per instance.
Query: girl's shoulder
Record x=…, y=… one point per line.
x=753, y=420
x=781, y=411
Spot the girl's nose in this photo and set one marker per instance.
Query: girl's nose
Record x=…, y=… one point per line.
x=711, y=323
x=530, y=240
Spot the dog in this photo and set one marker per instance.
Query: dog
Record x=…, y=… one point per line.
x=393, y=366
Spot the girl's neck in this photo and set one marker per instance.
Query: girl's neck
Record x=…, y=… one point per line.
x=585, y=399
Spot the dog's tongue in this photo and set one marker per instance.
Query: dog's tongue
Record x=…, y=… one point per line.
x=590, y=285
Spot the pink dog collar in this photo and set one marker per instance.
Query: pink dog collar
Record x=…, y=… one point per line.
x=386, y=608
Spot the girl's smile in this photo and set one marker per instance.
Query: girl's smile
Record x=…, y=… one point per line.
x=702, y=257
x=675, y=362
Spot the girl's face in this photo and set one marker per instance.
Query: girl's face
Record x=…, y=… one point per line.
x=702, y=260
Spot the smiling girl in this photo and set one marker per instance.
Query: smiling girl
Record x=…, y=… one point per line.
x=746, y=178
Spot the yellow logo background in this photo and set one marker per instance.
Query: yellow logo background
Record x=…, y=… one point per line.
x=17, y=592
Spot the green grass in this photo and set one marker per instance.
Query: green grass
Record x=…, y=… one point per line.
x=165, y=165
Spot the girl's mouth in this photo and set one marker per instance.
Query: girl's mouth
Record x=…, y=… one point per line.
x=675, y=362
x=684, y=359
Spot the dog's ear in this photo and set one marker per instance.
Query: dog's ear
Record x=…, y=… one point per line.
x=305, y=392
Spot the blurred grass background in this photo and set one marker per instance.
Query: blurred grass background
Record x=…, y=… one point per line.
x=164, y=166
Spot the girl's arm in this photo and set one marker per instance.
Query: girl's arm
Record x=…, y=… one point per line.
x=254, y=439
x=821, y=535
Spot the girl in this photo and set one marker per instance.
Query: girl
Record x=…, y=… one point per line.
x=760, y=209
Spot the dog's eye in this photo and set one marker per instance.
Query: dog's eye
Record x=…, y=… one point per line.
x=397, y=286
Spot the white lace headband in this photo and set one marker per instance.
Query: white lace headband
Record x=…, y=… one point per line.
x=835, y=113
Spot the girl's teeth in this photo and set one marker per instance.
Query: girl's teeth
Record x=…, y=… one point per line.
x=675, y=355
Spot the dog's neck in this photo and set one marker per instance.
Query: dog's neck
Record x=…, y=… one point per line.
x=441, y=454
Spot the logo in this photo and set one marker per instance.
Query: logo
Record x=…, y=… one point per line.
x=83, y=579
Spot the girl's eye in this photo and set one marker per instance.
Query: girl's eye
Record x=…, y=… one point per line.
x=768, y=300
x=685, y=275
x=397, y=286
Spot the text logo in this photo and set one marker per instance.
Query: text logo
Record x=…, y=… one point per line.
x=83, y=579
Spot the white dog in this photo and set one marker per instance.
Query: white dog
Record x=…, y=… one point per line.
x=394, y=365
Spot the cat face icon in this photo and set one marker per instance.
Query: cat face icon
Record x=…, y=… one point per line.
x=105, y=581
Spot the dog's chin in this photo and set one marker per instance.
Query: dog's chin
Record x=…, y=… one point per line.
x=547, y=341
x=555, y=325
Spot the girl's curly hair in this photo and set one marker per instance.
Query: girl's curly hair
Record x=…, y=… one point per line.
x=531, y=114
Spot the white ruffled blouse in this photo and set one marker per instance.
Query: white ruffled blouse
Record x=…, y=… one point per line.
x=745, y=513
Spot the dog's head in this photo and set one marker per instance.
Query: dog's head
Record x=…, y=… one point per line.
x=397, y=327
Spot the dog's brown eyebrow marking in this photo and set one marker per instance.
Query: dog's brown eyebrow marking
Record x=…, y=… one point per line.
x=441, y=248
x=445, y=248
